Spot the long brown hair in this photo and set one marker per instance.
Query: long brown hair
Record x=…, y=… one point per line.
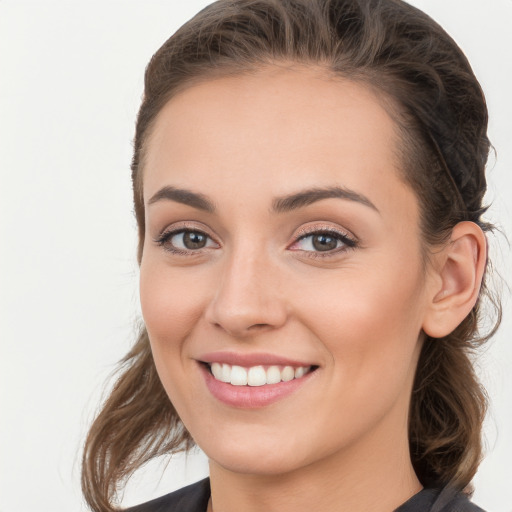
x=441, y=113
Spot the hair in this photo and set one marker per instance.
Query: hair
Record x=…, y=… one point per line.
x=441, y=115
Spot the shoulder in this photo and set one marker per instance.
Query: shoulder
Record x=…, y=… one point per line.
x=446, y=499
x=450, y=500
x=193, y=498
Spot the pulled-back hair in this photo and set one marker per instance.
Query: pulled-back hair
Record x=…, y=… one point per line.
x=441, y=114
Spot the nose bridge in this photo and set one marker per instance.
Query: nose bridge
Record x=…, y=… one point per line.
x=247, y=297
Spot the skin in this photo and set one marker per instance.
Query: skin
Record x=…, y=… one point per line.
x=355, y=312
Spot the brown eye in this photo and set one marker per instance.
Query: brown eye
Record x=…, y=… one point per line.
x=193, y=239
x=324, y=242
x=185, y=241
x=328, y=242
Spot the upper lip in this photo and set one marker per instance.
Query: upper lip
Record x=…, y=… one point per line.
x=248, y=360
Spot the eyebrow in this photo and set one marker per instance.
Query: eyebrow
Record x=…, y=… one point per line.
x=312, y=195
x=279, y=205
x=179, y=195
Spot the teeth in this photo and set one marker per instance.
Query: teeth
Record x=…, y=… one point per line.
x=299, y=372
x=238, y=376
x=256, y=375
x=216, y=369
x=226, y=373
x=273, y=375
x=287, y=374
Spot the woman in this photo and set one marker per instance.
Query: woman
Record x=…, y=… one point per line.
x=308, y=181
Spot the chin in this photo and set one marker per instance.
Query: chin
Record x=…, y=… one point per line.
x=257, y=454
x=256, y=463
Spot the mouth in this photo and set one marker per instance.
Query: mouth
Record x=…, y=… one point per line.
x=255, y=376
x=254, y=380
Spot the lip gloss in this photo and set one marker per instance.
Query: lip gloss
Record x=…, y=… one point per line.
x=251, y=359
x=251, y=397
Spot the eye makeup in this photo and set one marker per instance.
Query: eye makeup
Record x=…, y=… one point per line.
x=321, y=241
x=196, y=241
x=317, y=241
x=185, y=239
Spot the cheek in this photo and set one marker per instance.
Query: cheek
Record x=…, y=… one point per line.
x=171, y=302
x=171, y=305
x=370, y=332
x=369, y=322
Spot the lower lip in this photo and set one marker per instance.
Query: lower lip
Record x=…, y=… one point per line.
x=250, y=397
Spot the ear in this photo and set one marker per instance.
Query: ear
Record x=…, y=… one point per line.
x=455, y=279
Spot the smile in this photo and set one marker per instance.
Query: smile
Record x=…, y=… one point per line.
x=253, y=381
x=256, y=375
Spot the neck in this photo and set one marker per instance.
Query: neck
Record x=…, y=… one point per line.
x=373, y=476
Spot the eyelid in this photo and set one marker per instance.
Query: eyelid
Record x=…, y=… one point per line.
x=323, y=228
x=349, y=240
x=186, y=225
x=179, y=227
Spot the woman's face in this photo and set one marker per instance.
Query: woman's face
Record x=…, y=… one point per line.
x=282, y=247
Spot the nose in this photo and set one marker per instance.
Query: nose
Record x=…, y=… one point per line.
x=247, y=299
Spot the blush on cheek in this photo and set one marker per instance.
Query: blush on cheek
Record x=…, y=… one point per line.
x=373, y=323
x=171, y=307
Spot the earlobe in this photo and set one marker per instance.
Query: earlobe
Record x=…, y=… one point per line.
x=460, y=267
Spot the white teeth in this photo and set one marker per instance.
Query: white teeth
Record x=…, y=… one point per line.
x=217, y=370
x=226, y=373
x=287, y=374
x=256, y=375
x=273, y=375
x=299, y=372
x=238, y=376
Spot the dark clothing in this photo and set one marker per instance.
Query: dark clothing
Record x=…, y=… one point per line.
x=194, y=498
x=438, y=500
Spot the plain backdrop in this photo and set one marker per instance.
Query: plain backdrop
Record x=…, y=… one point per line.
x=70, y=84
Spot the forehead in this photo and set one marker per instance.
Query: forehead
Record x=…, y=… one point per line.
x=271, y=128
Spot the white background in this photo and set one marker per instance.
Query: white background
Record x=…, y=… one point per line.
x=70, y=85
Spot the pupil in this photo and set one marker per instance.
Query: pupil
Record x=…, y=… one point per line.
x=193, y=240
x=324, y=242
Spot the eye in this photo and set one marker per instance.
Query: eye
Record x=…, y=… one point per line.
x=185, y=241
x=323, y=242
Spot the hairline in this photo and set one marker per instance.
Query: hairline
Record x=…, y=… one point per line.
x=405, y=149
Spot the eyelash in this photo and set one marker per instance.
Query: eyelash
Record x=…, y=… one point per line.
x=348, y=242
x=163, y=239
